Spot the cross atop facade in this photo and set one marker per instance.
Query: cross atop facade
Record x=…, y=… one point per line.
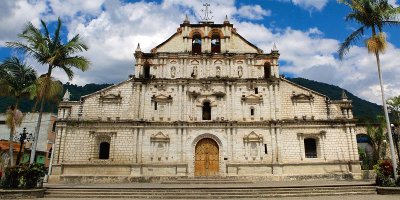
x=207, y=13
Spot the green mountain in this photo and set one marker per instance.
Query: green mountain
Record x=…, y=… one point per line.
x=363, y=110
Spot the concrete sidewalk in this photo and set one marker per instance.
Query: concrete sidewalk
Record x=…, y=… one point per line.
x=269, y=184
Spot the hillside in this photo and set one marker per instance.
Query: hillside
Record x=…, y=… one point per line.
x=363, y=110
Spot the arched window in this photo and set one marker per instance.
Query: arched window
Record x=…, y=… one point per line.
x=146, y=70
x=104, y=150
x=196, y=44
x=206, y=111
x=310, y=148
x=267, y=70
x=215, y=43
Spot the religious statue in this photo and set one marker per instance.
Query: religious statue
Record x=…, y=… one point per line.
x=194, y=73
x=218, y=72
x=173, y=71
x=240, y=72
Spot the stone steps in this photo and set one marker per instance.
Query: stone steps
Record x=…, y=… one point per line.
x=206, y=193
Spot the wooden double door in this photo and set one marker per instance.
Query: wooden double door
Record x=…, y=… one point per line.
x=206, y=158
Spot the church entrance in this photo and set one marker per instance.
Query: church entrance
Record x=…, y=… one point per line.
x=207, y=158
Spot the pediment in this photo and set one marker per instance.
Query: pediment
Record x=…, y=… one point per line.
x=252, y=98
x=195, y=62
x=110, y=98
x=253, y=137
x=218, y=62
x=159, y=137
x=161, y=98
x=302, y=97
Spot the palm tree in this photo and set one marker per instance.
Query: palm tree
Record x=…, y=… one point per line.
x=53, y=93
x=51, y=51
x=17, y=79
x=372, y=14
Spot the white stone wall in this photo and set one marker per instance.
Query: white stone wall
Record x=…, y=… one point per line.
x=154, y=125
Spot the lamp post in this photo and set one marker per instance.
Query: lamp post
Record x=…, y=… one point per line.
x=396, y=137
x=22, y=137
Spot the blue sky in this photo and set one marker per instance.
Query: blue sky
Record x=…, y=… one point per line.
x=307, y=33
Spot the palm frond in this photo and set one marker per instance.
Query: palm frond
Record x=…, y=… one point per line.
x=78, y=62
x=349, y=41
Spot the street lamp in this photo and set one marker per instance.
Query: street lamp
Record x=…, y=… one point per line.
x=396, y=137
x=22, y=137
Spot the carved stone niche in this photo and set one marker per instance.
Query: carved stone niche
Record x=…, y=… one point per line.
x=160, y=146
x=302, y=98
x=252, y=143
x=110, y=98
x=252, y=98
x=161, y=98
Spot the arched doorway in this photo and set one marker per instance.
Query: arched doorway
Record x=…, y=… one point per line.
x=206, y=158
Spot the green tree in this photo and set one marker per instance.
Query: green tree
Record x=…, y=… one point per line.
x=374, y=15
x=394, y=106
x=377, y=135
x=17, y=80
x=53, y=52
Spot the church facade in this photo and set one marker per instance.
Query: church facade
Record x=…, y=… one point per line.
x=206, y=102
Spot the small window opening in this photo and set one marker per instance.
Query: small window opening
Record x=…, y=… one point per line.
x=310, y=147
x=196, y=44
x=267, y=70
x=155, y=105
x=265, y=149
x=54, y=127
x=206, y=111
x=104, y=152
x=256, y=90
x=215, y=43
x=252, y=111
x=49, y=154
x=146, y=71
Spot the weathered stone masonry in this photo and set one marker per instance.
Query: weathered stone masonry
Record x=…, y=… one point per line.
x=148, y=126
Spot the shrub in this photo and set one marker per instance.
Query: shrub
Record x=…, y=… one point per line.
x=23, y=176
x=384, y=173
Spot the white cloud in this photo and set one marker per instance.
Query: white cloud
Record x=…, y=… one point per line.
x=309, y=4
x=253, y=12
x=113, y=28
x=14, y=14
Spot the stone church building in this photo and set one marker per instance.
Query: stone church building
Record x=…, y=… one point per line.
x=206, y=102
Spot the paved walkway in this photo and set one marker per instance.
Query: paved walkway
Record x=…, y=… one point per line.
x=350, y=197
x=235, y=185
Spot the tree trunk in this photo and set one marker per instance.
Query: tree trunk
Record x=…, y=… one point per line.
x=389, y=131
x=11, y=152
x=37, y=129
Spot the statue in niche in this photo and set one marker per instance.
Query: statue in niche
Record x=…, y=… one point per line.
x=218, y=72
x=173, y=71
x=253, y=149
x=160, y=151
x=240, y=72
x=194, y=73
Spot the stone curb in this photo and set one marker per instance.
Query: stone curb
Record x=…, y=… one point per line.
x=388, y=190
x=22, y=194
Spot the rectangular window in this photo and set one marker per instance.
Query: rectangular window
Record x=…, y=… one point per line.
x=155, y=105
x=265, y=149
x=252, y=111
x=256, y=90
